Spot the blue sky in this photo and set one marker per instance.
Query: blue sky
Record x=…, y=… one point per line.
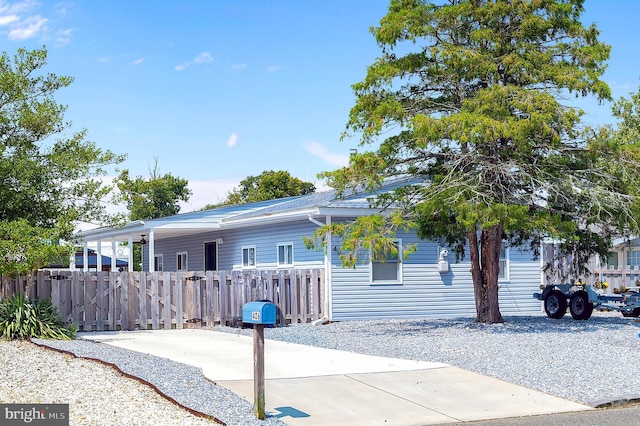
x=220, y=90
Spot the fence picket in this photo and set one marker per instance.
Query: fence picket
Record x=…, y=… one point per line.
x=166, y=298
x=142, y=301
x=155, y=301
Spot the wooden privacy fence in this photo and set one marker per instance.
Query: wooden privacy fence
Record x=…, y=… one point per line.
x=163, y=300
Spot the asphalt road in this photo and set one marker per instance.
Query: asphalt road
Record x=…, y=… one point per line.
x=629, y=416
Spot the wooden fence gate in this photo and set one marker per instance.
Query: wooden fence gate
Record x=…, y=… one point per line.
x=162, y=300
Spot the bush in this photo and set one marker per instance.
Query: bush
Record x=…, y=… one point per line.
x=21, y=319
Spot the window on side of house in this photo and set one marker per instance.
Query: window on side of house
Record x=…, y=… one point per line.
x=285, y=254
x=633, y=258
x=504, y=263
x=611, y=262
x=387, y=269
x=158, y=262
x=181, y=261
x=248, y=256
x=211, y=256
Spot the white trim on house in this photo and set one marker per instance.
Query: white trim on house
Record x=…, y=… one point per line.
x=385, y=267
x=504, y=275
x=288, y=255
x=158, y=262
x=182, y=265
x=251, y=260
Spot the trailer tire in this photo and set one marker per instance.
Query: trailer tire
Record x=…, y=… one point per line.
x=555, y=304
x=635, y=313
x=579, y=305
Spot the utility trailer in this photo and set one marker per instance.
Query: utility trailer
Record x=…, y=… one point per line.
x=583, y=299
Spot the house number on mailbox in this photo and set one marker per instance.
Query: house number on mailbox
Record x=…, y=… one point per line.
x=255, y=315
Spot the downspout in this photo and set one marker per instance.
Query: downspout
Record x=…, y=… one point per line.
x=327, y=274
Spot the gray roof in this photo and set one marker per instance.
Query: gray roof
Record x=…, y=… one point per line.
x=357, y=203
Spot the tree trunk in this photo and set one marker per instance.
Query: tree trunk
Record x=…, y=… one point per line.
x=485, y=268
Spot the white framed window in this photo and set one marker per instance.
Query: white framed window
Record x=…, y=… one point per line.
x=285, y=254
x=388, y=269
x=182, y=261
x=248, y=256
x=158, y=262
x=211, y=256
x=504, y=263
x=612, y=260
x=633, y=259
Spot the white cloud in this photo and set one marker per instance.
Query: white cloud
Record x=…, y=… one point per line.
x=8, y=19
x=275, y=68
x=64, y=37
x=24, y=22
x=207, y=192
x=104, y=59
x=238, y=67
x=19, y=7
x=27, y=28
x=138, y=61
x=202, y=58
x=233, y=140
x=318, y=150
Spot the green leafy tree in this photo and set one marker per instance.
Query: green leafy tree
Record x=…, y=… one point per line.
x=49, y=179
x=158, y=196
x=467, y=98
x=268, y=185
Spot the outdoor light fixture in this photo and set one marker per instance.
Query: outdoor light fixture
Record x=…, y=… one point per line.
x=142, y=240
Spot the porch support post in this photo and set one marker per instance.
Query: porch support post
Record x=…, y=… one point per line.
x=85, y=256
x=151, y=251
x=99, y=256
x=114, y=265
x=130, y=260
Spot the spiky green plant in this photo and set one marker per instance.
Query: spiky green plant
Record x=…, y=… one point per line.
x=21, y=318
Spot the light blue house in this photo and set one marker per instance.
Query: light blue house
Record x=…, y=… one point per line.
x=269, y=236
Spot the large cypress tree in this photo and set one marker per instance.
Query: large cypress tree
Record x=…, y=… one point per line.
x=470, y=97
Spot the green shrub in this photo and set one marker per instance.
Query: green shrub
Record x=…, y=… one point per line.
x=21, y=318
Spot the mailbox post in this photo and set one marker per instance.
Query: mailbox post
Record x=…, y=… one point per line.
x=259, y=313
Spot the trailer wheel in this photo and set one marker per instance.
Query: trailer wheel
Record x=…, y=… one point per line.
x=555, y=304
x=579, y=305
x=635, y=313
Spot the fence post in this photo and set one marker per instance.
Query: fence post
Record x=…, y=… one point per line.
x=166, y=299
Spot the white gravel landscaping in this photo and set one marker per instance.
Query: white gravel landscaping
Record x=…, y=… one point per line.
x=590, y=362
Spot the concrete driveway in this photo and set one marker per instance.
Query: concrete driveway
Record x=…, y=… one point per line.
x=306, y=385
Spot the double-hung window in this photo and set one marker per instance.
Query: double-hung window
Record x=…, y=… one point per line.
x=387, y=267
x=181, y=261
x=285, y=254
x=504, y=263
x=248, y=256
x=633, y=259
x=158, y=262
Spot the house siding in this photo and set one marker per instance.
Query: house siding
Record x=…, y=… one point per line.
x=424, y=292
x=264, y=238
